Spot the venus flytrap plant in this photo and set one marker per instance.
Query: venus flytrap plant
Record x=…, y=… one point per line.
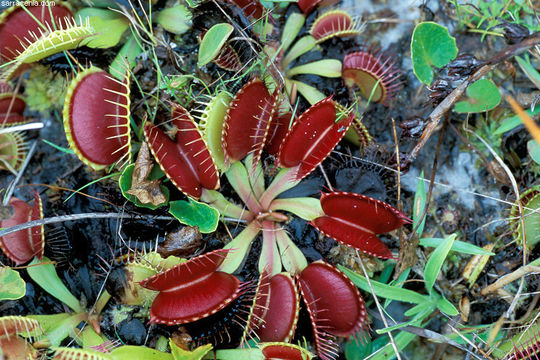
x=332, y=24
x=350, y=218
x=373, y=73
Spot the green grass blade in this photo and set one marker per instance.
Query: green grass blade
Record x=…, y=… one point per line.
x=458, y=246
x=435, y=262
x=383, y=290
x=420, y=199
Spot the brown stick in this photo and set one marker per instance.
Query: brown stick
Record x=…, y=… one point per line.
x=437, y=113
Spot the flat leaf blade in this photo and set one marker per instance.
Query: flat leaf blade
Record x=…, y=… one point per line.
x=212, y=42
x=435, y=262
x=482, y=95
x=420, y=198
x=12, y=286
x=383, y=290
x=459, y=246
x=194, y=213
x=431, y=45
x=44, y=274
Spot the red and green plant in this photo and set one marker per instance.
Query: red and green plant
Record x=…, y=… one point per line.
x=350, y=218
x=22, y=246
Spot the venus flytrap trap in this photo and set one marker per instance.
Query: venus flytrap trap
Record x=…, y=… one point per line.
x=22, y=246
x=281, y=55
x=530, y=234
x=17, y=334
x=96, y=118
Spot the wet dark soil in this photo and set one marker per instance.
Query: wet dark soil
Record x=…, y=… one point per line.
x=85, y=250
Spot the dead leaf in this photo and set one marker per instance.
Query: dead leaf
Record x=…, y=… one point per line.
x=143, y=165
x=181, y=338
x=183, y=242
x=147, y=191
x=407, y=253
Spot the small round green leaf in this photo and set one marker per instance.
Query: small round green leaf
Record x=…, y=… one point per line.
x=431, y=45
x=482, y=95
x=12, y=286
x=213, y=41
x=194, y=213
x=125, y=184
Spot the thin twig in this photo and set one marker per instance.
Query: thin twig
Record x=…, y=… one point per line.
x=534, y=266
x=445, y=106
x=383, y=318
x=326, y=179
x=19, y=174
x=73, y=217
x=22, y=127
x=514, y=302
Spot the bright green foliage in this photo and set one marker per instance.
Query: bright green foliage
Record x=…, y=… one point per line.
x=514, y=121
x=420, y=198
x=435, y=262
x=529, y=70
x=213, y=41
x=387, y=352
x=176, y=19
x=425, y=304
x=431, y=45
x=125, y=59
x=484, y=15
x=44, y=274
x=458, y=246
x=482, y=95
x=109, y=25
x=12, y=286
x=194, y=213
x=125, y=184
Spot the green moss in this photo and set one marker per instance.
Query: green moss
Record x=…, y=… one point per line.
x=44, y=91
